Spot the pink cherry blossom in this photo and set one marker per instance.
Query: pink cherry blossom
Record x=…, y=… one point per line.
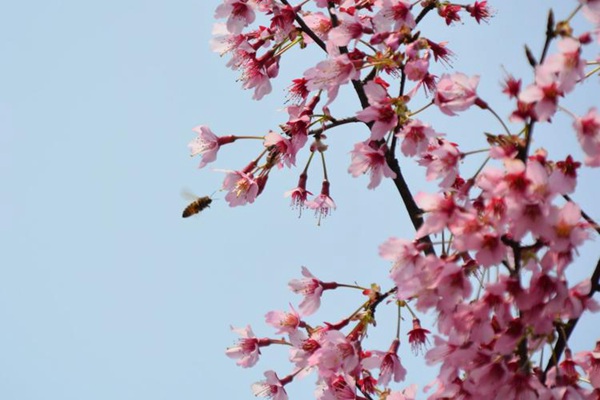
x=299, y=193
x=330, y=74
x=567, y=64
x=511, y=86
x=311, y=288
x=247, y=350
x=380, y=112
x=456, y=92
x=588, y=135
x=480, y=11
x=578, y=301
x=415, y=137
x=283, y=147
x=407, y=270
x=282, y=22
x=390, y=366
x=417, y=336
x=323, y=204
x=284, y=322
x=239, y=14
x=335, y=354
x=564, y=176
x=393, y=15
x=337, y=387
x=242, y=188
x=257, y=72
x=410, y=393
x=450, y=13
x=370, y=156
x=590, y=360
x=272, y=387
x=442, y=161
x=566, y=371
x=591, y=10
x=522, y=386
x=319, y=23
x=440, y=210
x=416, y=69
x=566, y=231
x=350, y=27
x=544, y=93
x=207, y=144
x=224, y=42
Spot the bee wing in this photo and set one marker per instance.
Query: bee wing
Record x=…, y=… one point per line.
x=188, y=195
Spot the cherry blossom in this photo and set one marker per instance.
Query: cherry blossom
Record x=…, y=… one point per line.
x=207, y=144
x=590, y=361
x=381, y=112
x=330, y=74
x=389, y=365
x=282, y=146
x=242, y=188
x=456, y=92
x=335, y=354
x=247, y=350
x=479, y=10
x=416, y=136
x=350, y=27
x=285, y=322
x=417, y=337
x=299, y=194
x=394, y=15
x=272, y=387
x=544, y=93
x=588, y=134
x=323, y=204
x=239, y=14
x=370, y=156
x=311, y=288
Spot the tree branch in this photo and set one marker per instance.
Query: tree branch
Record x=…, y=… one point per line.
x=306, y=29
x=561, y=342
x=333, y=124
x=414, y=212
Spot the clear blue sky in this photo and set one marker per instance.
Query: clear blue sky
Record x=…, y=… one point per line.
x=105, y=292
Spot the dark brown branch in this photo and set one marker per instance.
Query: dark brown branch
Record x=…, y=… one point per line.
x=414, y=212
x=379, y=299
x=561, y=342
x=524, y=151
x=333, y=124
x=357, y=84
x=423, y=13
x=306, y=29
x=550, y=34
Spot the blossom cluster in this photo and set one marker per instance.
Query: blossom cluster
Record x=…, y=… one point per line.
x=497, y=281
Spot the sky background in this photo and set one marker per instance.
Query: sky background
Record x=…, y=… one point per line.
x=105, y=291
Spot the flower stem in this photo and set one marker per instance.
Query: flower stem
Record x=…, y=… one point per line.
x=495, y=114
x=324, y=166
x=421, y=109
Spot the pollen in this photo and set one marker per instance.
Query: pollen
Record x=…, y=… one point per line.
x=563, y=230
x=241, y=187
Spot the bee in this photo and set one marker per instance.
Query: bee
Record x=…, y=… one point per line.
x=196, y=206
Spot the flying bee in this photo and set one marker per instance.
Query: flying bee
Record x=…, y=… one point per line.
x=196, y=206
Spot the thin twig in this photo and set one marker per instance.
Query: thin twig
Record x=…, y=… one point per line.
x=569, y=327
x=306, y=29
x=333, y=124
